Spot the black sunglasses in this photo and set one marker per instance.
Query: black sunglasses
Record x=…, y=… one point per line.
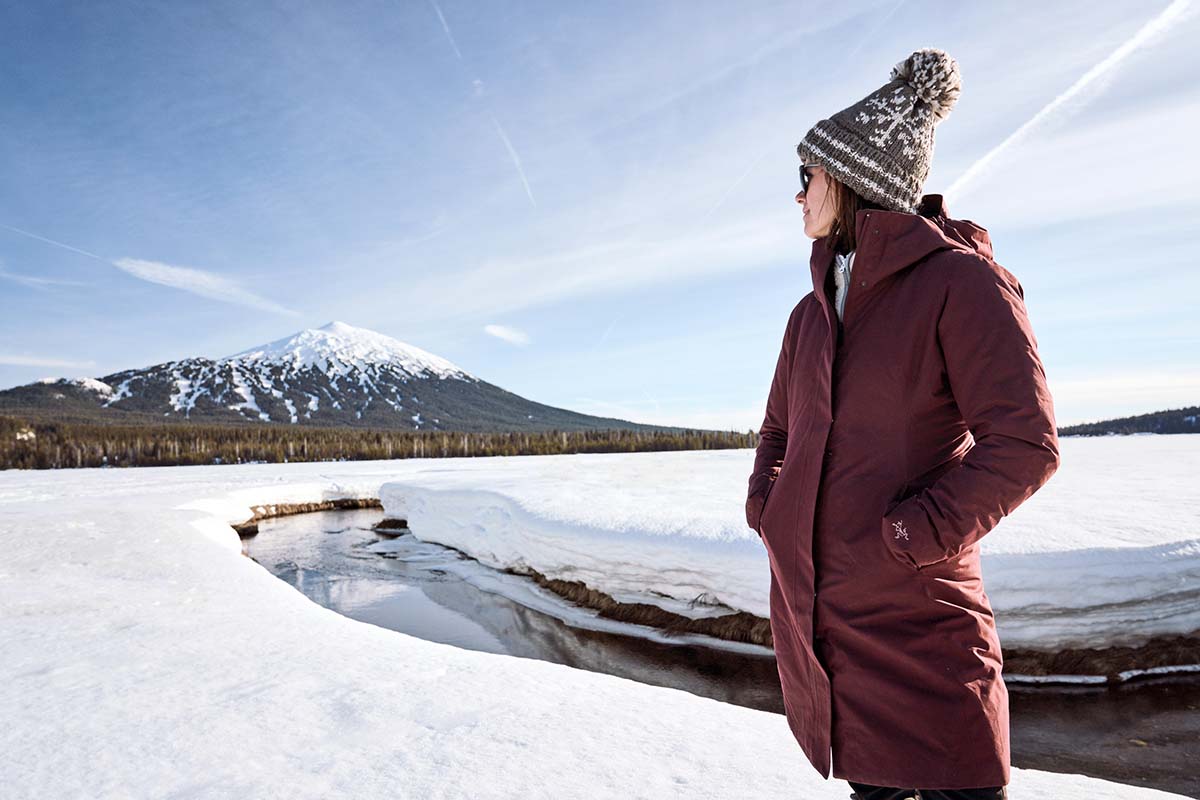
x=805, y=176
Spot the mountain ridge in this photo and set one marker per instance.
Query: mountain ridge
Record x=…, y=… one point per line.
x=337, y=374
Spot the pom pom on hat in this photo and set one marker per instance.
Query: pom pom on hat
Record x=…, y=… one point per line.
x=933, y=77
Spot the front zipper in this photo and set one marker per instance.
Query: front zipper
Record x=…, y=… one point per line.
x=840, y=266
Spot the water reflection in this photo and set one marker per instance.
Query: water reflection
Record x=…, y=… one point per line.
x=435, y=593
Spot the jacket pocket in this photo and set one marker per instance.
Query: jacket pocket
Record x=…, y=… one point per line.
x=766, y=497
x=756, y=507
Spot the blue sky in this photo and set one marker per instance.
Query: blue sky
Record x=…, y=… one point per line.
x=588, y=204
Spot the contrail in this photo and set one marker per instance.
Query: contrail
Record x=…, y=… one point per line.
x=196, y=281
x=604, y=336
x=1155, y=27
x=732, y=186
x=446, y=28
x=56, y=244
x=607, y=331
x=516, y=159
x=477, y=84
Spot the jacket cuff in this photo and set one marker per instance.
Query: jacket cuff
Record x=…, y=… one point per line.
x=910, y=535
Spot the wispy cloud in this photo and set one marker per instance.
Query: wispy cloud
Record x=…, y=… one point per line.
x=40, y=361
x=504, y=332
x=1161, y=24
x=424, y=237
x=503, y=285
x=35, y=282
x=438, y=227
x=197, y=281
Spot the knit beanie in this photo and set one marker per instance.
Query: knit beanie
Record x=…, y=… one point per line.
x=882, y=145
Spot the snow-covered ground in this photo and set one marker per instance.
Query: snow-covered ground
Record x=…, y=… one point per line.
x=1108, y=552
x=141, y=655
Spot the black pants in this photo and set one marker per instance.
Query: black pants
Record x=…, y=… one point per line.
x=866, y=791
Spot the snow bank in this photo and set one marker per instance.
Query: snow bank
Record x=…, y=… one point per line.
x=1106, y=553
x=647, y=527
x=142, y=655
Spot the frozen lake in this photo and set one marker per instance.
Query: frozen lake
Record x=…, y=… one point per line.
x=144, y=655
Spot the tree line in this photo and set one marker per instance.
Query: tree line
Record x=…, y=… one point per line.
x=58, y=445
x=1176, y=420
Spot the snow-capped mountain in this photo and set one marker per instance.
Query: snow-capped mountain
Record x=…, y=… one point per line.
x=333, y=375
x=343, y=367
x=340, y=349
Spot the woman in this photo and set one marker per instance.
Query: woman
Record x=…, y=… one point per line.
x=908, y=414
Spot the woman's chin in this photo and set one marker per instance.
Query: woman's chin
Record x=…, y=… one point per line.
x=812, y=232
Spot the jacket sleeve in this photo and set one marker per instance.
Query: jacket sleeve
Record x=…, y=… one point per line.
x=999, y=385
x=772, y=441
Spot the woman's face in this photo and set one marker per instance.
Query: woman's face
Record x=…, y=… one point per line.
x=819, y=208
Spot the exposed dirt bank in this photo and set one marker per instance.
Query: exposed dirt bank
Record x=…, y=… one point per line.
x=1109, y=662
x=1103, y=665
x=250, y=526
x=740, y=626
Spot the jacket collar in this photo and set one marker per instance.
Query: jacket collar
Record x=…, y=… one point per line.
x=889, y=241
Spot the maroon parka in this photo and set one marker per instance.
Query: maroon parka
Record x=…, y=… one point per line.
x=891, y=444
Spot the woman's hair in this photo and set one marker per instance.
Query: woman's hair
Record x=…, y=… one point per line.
x=847, y=204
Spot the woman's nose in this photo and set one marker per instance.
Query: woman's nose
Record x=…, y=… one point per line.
x=800, y=197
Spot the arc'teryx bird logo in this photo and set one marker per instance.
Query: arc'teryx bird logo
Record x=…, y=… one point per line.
x=900, y=530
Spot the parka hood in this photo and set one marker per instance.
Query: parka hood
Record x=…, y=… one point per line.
x=963, y=231
x=889, y=241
